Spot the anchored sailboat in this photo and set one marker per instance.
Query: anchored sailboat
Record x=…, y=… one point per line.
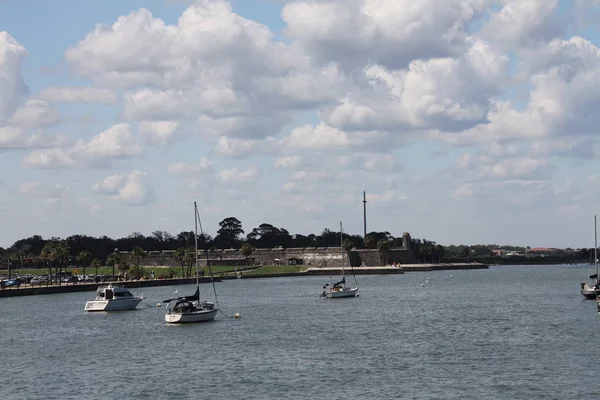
x=190, y=308
x=591, y=291
x=340, y=289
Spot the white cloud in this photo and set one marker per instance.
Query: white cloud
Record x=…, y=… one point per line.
x=290, y=162
x=525, y=23
x=12, y=85
x=34, y=114
x=388, y=32
x=213, y=63
x=16, y=138
x=113, y=143
x=41, y=190
x=88, y=95
x=356, y=96
x=191, y=169
x=160, y=133
x=236, y=175
x=132, y=189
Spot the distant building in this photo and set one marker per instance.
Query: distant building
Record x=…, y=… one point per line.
x=540, y=251
x=498, y=252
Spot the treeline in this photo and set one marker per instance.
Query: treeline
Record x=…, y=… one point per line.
x=231, y=234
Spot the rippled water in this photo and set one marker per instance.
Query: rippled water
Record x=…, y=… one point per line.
x=504, y=333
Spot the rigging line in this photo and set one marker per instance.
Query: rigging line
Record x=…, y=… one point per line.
x=209, y=268
x=349, y=261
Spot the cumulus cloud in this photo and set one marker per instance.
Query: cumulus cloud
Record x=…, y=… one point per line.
x=159, y=133
x=355, y=97
x=114, y=143
x=132, y=189
x=12, y=86
x=88, y=95
x=237, y=175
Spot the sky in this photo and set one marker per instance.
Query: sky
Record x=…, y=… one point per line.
x=465, y=121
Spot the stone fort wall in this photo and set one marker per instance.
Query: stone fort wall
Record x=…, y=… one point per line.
x=310, y=256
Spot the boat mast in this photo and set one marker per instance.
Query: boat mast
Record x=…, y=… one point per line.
x=196, y=246
x=342, y=247
x=595, y=248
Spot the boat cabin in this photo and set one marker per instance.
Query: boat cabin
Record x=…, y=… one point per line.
x=113, y=292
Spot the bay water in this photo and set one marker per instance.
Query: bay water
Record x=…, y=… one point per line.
x=510, y=332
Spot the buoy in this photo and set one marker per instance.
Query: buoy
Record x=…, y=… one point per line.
x=158, y=305
x=236, y=315
x=422, y=285
x=451, y=275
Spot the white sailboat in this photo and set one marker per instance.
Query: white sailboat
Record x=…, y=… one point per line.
x=592, y=290
x=190, y=308
x=340, y=289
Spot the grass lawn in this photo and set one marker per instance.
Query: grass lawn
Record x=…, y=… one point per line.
x=216, y=270
x=276, y=269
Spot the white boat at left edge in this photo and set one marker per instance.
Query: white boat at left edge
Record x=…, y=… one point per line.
x=113, y=297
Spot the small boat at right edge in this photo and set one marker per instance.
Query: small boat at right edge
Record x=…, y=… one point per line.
x=591, y=290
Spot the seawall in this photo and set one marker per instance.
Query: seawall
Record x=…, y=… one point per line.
x=91, y=287
x=388, y=270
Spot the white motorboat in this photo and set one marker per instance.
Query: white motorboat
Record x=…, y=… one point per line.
x=190, y=308
x=591, y=290
x=113, y=297
x=340, y=289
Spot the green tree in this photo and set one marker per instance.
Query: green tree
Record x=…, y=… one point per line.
x=180, y=256
x=84, y=259
x=370, y=242
x=190, y=260
x=137, y=255
x=228, y=235
x=96, y=263
x=247, y=251
x=114, y=260
x=383, y=246
x=123, y=266
x=348, y=245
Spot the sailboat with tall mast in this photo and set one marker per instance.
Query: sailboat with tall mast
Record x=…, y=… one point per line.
x=340, y=289
x=591, y=291
x=190, y=308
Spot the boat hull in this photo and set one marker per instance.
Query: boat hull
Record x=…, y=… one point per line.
x=337, y=294
x=589, y=292
x=112, y=305
x=193, y=316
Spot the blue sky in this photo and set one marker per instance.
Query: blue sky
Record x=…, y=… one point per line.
x=284, y=113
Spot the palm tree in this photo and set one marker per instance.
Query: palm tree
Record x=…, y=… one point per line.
x=384, y=247
x=190, y=259
x=348, y=245
x=84, y=259
x=180, y=256
x=96, y=263
x=123, y=266
x=47, y=254
x=369, y=242
x=57, y=254
x=62, y=257
x=114, y=260
x=137, y=255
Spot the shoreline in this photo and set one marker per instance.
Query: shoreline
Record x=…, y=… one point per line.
x=89, y=287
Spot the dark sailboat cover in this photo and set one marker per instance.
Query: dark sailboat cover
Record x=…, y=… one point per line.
x=195, y=296
x=594, y=276
x=343, y=281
